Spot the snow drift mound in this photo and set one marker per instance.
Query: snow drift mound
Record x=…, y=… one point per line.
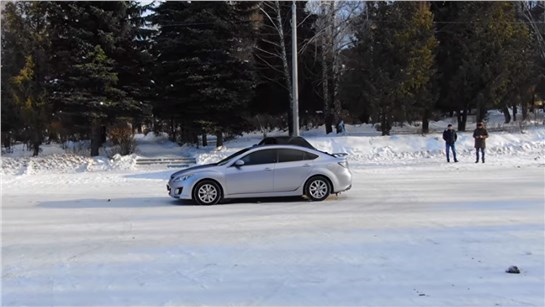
x=64, y=163
x=528, y=147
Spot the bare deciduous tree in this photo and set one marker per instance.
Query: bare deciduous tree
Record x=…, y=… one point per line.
x=333, y=34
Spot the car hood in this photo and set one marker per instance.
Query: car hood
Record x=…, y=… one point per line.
x=192, y=169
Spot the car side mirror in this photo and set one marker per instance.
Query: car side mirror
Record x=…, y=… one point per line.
x=239, y=163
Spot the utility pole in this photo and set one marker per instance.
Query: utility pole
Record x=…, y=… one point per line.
x=294, y=77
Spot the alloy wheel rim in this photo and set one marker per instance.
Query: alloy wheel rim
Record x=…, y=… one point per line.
x=318, y=189
x=207, y=193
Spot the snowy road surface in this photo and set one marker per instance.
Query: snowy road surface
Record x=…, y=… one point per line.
x=417, y=235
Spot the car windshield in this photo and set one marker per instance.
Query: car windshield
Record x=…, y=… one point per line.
x=225, y=160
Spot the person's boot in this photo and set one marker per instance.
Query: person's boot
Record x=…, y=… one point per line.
x=483, y=160
x=448, y=161
x=455, y=160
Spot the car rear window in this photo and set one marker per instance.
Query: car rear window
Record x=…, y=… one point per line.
x=291, y=155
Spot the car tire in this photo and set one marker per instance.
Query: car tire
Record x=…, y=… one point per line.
x=207, y=192
x=317, y=188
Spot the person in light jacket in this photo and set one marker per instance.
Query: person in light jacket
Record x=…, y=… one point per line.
x=450, y=137
x=480, y=135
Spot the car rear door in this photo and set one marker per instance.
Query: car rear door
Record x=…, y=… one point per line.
x=292, y=169
x=255, y=176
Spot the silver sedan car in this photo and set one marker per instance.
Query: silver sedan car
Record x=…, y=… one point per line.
x=264, y=171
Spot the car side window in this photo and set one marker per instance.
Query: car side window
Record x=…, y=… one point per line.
x=260, y=157
x=310, y=156
x=291, y=155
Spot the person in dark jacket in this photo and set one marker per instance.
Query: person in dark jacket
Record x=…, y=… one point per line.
x=450, y=137
x=340, y=127
x=480, y=135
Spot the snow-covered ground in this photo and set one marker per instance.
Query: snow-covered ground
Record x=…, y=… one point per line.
x=413, y=231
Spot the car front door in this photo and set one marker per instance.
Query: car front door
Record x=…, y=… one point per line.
x=292, y=169
x=255, y=176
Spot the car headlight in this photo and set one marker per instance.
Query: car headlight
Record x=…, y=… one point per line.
x=182, y=178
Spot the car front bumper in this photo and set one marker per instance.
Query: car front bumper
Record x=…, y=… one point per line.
x=178, y=190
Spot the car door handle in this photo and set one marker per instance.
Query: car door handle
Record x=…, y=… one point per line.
x=307, y=165
x=268, y=169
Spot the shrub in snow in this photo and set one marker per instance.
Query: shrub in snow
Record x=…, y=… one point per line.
x=122, y=137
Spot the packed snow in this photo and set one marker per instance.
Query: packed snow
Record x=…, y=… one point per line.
x=413, y=231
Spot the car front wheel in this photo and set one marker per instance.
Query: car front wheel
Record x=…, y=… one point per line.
x=317, y=188
x=207, y=192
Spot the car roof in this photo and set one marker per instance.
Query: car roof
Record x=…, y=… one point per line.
x=288, y=146
x=283, y=146
x=286, y=140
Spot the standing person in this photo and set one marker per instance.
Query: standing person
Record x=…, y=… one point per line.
x=340, y=127
x=450, y=137
x=480, y=135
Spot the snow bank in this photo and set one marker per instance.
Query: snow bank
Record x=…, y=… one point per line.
x=361, y=142
x=529, y=147
x=64, y=163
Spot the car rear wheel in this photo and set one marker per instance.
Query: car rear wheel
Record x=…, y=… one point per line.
x=317, y=188
x=207, y=192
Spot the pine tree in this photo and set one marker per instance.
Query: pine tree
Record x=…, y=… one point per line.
x=87, y=38
x=201, y=81
x=448, y=57
x=31, y=98
x=13, y=59
x=393, y=62
x=25, y=46
x=418, y=43
x=490, y=56
x=134, y=62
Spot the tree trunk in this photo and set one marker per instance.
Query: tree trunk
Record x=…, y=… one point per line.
x=334, y=59
x=219, y=139
x=462, y=119
x=6, y=140
x=36, y=142
x=482, y=114
x=506, y=114
x=95, y=138
x=385, y=126
x=325, y=74
x=325, y=91
x=285, y=66
x=195, y=138
x=514, y=112
x=524, y=111
x=187, y=134
x=172, y=134
x=204, y=140
x=426, y=122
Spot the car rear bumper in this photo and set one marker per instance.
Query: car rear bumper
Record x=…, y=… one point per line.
x=348, y=188
x=344, y=181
